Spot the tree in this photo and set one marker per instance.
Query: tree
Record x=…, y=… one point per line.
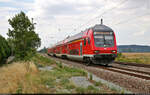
x=44, y=50
x=4, y=49
x=23, y=38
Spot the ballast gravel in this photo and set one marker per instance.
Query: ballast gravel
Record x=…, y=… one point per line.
x=132, y=67
x=133, y=84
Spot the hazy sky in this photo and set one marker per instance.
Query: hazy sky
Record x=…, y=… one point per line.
x=56, y=19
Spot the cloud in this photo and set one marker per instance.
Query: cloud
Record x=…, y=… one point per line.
x=52, y=15
x=56, y=19
x=5, y=0
x=141, y=33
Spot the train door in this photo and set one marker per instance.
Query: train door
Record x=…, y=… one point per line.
x=88, y=45
x=84, y=46
x=80, y=48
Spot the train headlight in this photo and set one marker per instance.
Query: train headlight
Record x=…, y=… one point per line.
x=96, y=51
x=113, y=51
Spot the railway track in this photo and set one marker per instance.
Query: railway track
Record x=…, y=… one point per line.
x=135, y=73
x=133, y=64
x=126, y=71
x=132, y=70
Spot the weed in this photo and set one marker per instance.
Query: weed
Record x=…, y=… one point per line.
x=91, y=88
x=59, y=65
x=114, y=89
x=64, y=81
x=80, y=90
x=38, y=65
x=70, y=86
x=19, y=90
x=98, y=83
x=119, y=55
x=91, y=76
x=42, y=60
x=122, y=92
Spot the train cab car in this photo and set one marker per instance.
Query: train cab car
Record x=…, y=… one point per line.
x=94, y=45
x=103, y=45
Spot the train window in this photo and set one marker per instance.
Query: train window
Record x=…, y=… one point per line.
x=84, y=41
x=105, y=40
x=108, y=39
x=88, y=40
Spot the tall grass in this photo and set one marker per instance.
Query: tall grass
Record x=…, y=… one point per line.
x=13, y=76
x=134, y=57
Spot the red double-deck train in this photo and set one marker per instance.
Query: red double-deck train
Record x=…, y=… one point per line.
x=94, y=45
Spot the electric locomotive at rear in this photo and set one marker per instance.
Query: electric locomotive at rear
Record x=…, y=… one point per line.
x=94, y=45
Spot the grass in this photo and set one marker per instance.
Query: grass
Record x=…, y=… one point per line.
x=42, y=61
x=98, y=83
x=134, y=57
x=13, y=77
x=89, y=89
x=25, y=77
x=113, y=89
x=91, y=76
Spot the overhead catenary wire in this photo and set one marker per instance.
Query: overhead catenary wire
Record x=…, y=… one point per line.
x=119, y=4
x=130, y=19
x=97, y=9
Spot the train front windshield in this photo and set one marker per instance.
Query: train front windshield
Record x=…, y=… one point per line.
x=104, y=39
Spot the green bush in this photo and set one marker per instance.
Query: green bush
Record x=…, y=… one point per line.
x=119, y=54
x=5, y=50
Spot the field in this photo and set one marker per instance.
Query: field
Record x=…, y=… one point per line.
x=134, y=57
x=26, y=77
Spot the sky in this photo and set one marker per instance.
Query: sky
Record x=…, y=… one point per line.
x=57, y=19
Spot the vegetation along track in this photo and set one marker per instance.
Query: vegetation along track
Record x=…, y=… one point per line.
x=126, y=71
x=130, y=82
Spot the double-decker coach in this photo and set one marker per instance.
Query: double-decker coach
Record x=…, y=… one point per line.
x=94, y=45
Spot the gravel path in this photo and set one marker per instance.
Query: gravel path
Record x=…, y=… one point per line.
x=131, y=83
x=81, y=81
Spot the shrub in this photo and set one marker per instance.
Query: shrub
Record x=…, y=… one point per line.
x=98, y=83
x=119, y=54
x=5, y=50
x=91, y=76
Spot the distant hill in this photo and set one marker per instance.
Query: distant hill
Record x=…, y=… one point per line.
x=133, y=48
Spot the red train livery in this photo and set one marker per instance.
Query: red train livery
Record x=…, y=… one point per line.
x=94, y=45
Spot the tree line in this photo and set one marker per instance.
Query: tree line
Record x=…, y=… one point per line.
x=22, y=41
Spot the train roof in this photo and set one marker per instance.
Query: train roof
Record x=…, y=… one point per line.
x=77, y=36
x=97, y=27
x=101, y=27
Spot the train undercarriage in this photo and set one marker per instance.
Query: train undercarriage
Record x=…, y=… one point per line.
x=102, y=59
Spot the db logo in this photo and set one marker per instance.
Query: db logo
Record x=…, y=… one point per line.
x=105, y=48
